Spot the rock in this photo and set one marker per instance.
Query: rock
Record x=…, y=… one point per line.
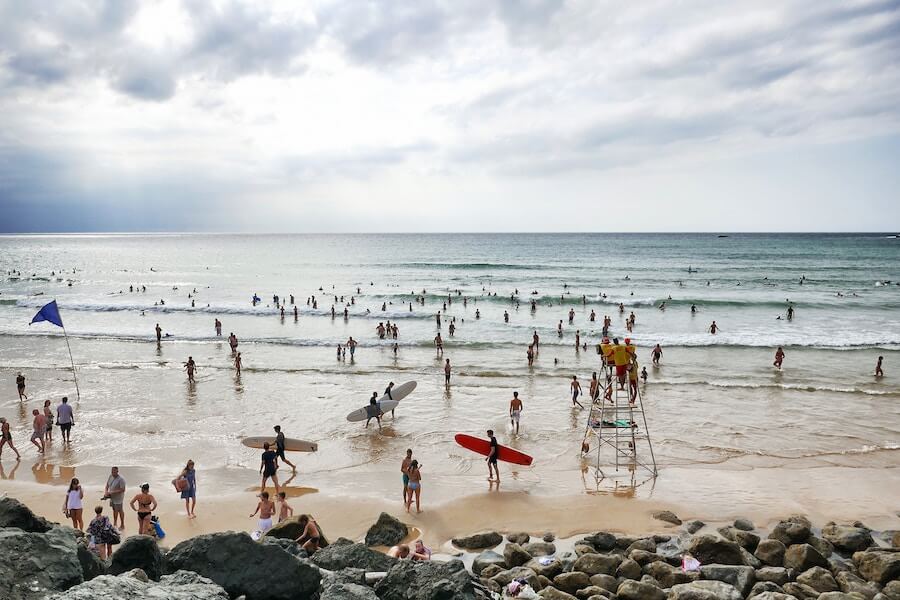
x=607, y=582
x=514, y=555
x=387, y=531
x=777, y=575
x=244, y=567
x=645, y=544
x=518, y=538
x=478, y=541
x=633, y=590
x=549, y=537
x=744, y=524
x=347, y=591
x=795, y=530
x=818, y=579
x=570, y=583
x=15, y=514
x=710, y=549
x=551, y=593
x=694, y=526
x=880, y=566
x=850, y=583
x=628, y=569
x=764, y=586
x=602, y=541
x=704, y=590
x=667, y=516
x=289, y=546
x=847, y=539
x=182, y=585
x=666, y=574
x=803, y=557
x=343, y=553
x=800, y=591
x=35, y=564
x=504, y=578
x=773, y=596
x=539, y=548
x=550, y=570
x=593, y=564
x=426, y=580
x=138, y=552
x=488, y=557
x=770, y=552
x=742, y=578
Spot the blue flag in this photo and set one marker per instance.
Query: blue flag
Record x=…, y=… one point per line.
x=50, y=313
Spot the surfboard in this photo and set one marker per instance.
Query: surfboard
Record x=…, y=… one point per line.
x=483, y=447
x=387, y=404
x=290, y=444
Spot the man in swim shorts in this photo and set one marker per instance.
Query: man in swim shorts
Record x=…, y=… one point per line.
x=515, y=411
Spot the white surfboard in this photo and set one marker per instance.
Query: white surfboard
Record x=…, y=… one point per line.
x=387, y=404
x=290, y=444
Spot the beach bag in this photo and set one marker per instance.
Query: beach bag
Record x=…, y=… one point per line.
x=181, y=484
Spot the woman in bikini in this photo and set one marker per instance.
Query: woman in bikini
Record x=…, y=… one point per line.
x=309, y=540
x=146, y=504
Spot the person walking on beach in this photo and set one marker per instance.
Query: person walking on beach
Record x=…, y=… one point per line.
x=265, y=508
x=38, y=430
x=48, y=415
x=146, y=504
x=576, y=391
x=713, y=328
x=268, y=467
x=189, y=493
x=20, y=386
x=237, y=363
x=515, y=411
x=279, y=447
x=310, y=538
x=72, y=505
x=404, y=470
x=415, y=486
x=190, y=366
x=656, y=354
x=447, y=373
x=158, y=334
x=779, y=357
x=115, y=492
x=285, y=510
x=65, y=418
x=6, y=438
x=878, y=371
x=492, y=457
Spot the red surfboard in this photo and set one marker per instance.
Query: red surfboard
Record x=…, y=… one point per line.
x=483, y=447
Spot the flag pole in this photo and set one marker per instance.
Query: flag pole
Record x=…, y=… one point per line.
x=72, y=360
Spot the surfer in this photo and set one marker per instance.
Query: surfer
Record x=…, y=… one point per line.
x=878, y=371
x=576, y=390
x=447, y=372
x=404, y=469
x=779, y=357
x=492, y=458
x=656, y=354
x=190, y=366
x=20, y=386
x=515, y=411
x=265, y=508
x=268, y=468
x=279, y=447
x=373, y=411
x=415, y=485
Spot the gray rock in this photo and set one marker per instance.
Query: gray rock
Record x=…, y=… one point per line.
x=801, y=591
x=629, y=569
x=795, y=530
x=704, y=590
x=488, y=557
x=880, y=566
x=777, y=575
x=35, y=564
x=514, y=555
x=593, y=564
x=646, y=544
x=504, y=578
x=770, y=552
x=666, y=574
x=742, y=578
x=818, y=579
x=182, y=585
x=138, y=552
x=802, y=557
x=667, y=516
x=850, y=583
x=15, y=514
x=487, y=539
x=343, y=553
x=694, y=526
x=244, y=567
x=551, y=593
x=601, y=541
x=386, y=531
x=550, y=570
x=571, y=582
x=426, y=580
x=634, y=590
x=744, y=524
x=711, y=549
x=847, y=539
x=607, y=582
x=764, y=586
x=518, y=538
x=347, y=591
x=539, y=548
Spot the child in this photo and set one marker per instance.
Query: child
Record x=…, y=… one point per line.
x=284, y=509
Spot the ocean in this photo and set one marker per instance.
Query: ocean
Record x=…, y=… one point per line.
x=716, y=407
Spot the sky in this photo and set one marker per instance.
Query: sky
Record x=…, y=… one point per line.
x=460, y=115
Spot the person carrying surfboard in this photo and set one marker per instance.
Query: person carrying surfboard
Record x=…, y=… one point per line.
x=492, y=458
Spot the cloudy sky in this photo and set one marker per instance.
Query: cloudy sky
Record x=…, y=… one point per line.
x=379, y=115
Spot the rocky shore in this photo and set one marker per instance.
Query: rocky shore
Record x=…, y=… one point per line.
x=792, y=561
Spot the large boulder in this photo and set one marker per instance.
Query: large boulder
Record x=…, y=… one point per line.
x=704, y=590
x=15, y=514
x=818, y=579
x=770, y=552
x=35, y=564
x=635, y=590
x=343, y=553
x=426, y=580
x=244, y=567
x=592, y=564
x=880, y=566
x=847, y=539
x=181, y=585
x=486, y=558
x=387, y=531
x=742, y=578
x=138, y=552
x=802, y=557
x=514, y=555
x=488, y=539
x=711, y=549
x=795, y=530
